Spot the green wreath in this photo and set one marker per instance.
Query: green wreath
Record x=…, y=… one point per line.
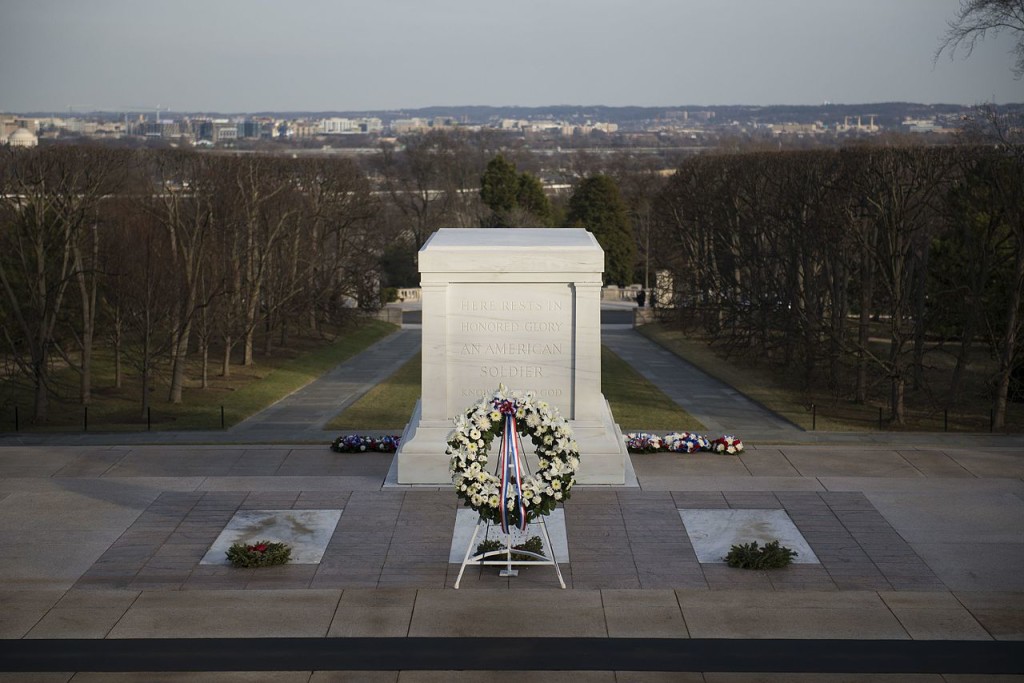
x=557, y=454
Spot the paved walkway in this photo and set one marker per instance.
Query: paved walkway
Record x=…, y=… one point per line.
x=718, y=406
x=919, y=538
x=302, y=415
x=297, y=418
x=913, y=545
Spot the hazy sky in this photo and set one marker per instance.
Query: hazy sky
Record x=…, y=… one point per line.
x=252, y=55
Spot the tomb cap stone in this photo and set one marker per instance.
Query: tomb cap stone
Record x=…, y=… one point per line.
x=521, y=250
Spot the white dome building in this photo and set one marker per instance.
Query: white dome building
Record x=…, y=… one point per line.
x=22, y=137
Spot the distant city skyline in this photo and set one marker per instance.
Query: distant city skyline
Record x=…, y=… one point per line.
x=315, y=55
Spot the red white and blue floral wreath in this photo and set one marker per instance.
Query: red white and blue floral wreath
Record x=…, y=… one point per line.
x=512, y=497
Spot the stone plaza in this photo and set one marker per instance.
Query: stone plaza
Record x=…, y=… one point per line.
x=917, y=540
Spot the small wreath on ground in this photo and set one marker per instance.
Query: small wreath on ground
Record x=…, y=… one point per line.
x=357, y=443
x=259, y=554
x=686, y=442
x=531, y=545
x=643, y=442
x=557, y=453
x=682, y=442
x=769, y=556
x=727, y=444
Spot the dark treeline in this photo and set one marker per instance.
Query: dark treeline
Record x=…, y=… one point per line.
x=163, y=254
x=847, y=268
x=851, y=267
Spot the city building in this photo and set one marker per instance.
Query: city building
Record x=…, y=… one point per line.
x=22, y=137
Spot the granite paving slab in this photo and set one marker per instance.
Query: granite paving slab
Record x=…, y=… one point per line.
x=307, y=532
x=237, y=614
x=934, y=616
x=384, y=612
x=643, y=614
x=975, y=566
x=466, y=521
x=84, y=614
x=952, y=517
x=788, y=614
x=492, y=613
x=23, y=608
x=714, y=532
x=1000, y=613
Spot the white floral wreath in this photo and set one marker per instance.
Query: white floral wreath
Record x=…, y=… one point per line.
x=557, y=453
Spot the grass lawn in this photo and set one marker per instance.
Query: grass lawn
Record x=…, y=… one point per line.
x=387, y=406
x=770, y=388
x=247, y=391
x=636, y=403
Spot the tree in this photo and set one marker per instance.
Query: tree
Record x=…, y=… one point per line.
x=515, y=199
x=977, y=18
x=531, y=200
x=499, y=185
x=48, y=204
x=426, y=181
x=597, y=206
x=180, y=197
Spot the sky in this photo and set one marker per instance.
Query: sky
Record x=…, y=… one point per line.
x=234, y=56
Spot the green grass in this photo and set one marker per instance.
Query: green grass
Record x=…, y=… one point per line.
x=755, y=382
x=247, y=391
x=781, y=393
x=635, y=402
x=387, y=406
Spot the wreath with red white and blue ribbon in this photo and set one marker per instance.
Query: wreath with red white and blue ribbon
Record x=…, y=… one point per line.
x=512, y=497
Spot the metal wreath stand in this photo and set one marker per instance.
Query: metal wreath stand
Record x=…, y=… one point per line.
x=484, y=559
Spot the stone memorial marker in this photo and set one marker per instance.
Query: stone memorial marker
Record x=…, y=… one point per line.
x=519, y=307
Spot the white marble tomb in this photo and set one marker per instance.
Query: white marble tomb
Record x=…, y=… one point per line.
x=519, y=307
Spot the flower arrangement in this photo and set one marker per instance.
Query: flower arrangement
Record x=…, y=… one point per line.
x=531, y=545
x=355, y=443
x=557, y=453
x=682, y=442
x=259, y=554
x=727, y=444
x=685, y=442
x=642, y=442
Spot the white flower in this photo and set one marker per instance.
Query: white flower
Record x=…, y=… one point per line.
x=474, y=433
x=558, y=495
x=493, y=501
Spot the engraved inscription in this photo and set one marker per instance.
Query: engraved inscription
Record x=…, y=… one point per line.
x=522, y=340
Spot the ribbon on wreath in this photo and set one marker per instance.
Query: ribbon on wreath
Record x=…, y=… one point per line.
x=511, y=468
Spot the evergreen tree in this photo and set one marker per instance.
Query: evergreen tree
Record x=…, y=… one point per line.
x=515, y=200
x=499, y=187
x=597, y=206
x=531, y=198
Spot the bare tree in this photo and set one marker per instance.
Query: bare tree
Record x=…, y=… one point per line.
x=976, y=19
x=180, y=198
x=140, y=286
x=49, y=197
